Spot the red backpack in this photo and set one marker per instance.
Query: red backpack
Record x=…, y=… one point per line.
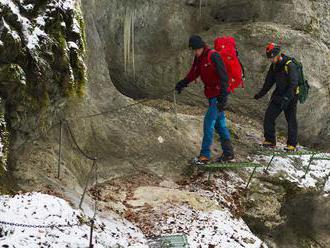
x=226, y=47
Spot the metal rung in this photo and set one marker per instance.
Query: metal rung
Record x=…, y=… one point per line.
x=287, y=154
x=324, y=159
x=230, y=165
x=172, y=241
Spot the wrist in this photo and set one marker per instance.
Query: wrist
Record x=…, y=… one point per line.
x=185, y=81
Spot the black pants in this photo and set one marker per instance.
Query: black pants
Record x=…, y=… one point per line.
x=272, y=112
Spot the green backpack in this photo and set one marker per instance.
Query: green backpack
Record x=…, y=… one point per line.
x=303, y=86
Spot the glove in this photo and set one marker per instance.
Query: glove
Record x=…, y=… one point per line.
x=181, y=85
x=285, y=103
x=257, y=96
x=222, y=102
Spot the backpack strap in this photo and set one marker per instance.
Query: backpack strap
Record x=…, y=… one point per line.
x=286, y=66
x=209, y=54
x=243, y=69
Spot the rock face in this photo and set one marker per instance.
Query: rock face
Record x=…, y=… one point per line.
x=161, y=29
x=137, y=139
x=42, y=50
x=287, y=216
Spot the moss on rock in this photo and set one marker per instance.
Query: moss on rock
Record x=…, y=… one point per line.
x=42, y=50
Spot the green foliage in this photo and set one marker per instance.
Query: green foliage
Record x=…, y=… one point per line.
x=77, y=58
x=11, y=74
x=83, y=42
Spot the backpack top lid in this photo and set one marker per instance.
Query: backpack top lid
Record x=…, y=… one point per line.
x=225, y=42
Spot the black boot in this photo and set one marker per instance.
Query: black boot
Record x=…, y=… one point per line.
x=228, y=152
x=226, y=158
x=268, y=144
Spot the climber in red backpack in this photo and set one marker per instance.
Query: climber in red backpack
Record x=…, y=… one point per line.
x=210, y=67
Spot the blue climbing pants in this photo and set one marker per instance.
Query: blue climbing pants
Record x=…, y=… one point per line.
x=214, y=120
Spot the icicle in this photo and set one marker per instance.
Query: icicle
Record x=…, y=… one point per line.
x=133, y=42
x=129, y=32
x=129, y=25
x=125, y=39
x=129, y=39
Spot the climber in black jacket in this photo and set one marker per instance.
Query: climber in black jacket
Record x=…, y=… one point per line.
x=282, y=72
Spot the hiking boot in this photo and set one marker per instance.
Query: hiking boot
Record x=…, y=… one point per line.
x=226, y=158
x=268, y=144
x=290, y=148
x=227, y=147
x=201, y=160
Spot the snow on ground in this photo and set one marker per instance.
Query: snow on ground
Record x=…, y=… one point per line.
x=293, y=168
x=199, y=214
x=224, y=189
x=42, y=209
x=217, y=228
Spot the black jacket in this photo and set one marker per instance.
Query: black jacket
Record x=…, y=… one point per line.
x=286, y=81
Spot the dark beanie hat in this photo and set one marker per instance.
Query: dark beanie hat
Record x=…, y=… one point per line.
x=272, y=50
x=196, y=42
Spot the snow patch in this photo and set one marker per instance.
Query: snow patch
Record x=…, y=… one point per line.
x=40, y=20
x=30, y=34
x=293, y=168
x=67, y=4
x=34, y=38
x=13, y=33
x=42, y=209
x=28, y=6
x=216, y=228
x=75, y=27
x=33, y=30
x=73, y=45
